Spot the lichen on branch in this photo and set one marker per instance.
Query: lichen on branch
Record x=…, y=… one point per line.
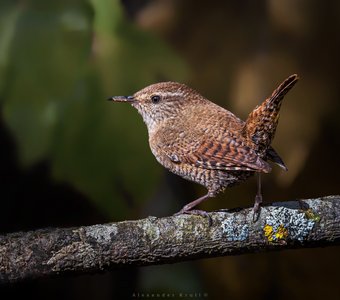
x=89, y=249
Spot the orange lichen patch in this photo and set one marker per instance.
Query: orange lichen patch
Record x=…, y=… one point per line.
x=268, y=232
x=275, y=235
x=281, y=233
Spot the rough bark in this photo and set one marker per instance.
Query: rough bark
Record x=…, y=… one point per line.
x=283, y=225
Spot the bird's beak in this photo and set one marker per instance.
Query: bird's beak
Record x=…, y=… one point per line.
x=121, y=99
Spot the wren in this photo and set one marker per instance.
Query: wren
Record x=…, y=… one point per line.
x=205, y=143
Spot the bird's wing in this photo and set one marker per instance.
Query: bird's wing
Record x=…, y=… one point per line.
x=227, y=154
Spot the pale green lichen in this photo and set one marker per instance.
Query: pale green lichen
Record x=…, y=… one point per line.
x=287, y=223
x=187, y=226
x=235, y=229
x=311, y=215
x=102, y=233
x=150, y=230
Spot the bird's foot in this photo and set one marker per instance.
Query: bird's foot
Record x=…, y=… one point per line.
x=188, y=209
x=195, y=212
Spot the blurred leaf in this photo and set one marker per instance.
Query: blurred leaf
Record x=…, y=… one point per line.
x=9, y=14
x=47, y=57
x=66, y=58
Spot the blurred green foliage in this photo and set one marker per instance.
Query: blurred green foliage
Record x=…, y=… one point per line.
x=59, y=61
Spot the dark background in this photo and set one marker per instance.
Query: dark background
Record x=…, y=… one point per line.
x=70, y=158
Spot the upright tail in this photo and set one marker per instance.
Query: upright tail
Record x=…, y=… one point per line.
x=261, y=124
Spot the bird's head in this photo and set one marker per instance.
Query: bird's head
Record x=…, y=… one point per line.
x=160, y=101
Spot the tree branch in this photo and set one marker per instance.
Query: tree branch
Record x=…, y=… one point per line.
x=283, y=225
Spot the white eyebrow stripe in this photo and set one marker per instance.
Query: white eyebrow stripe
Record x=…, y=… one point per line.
x=175, y=94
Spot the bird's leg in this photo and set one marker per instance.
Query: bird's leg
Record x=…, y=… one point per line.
x=194, y=203
x=187, y=209
x=258, y=199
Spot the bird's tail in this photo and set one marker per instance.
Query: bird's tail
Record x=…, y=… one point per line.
x=260, y=127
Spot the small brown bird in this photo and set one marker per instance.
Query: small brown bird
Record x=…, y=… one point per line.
x=205, y=143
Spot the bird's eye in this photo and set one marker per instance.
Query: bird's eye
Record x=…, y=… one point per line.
x=155, y=99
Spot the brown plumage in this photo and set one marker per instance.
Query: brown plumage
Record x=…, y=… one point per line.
x=205, y=143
